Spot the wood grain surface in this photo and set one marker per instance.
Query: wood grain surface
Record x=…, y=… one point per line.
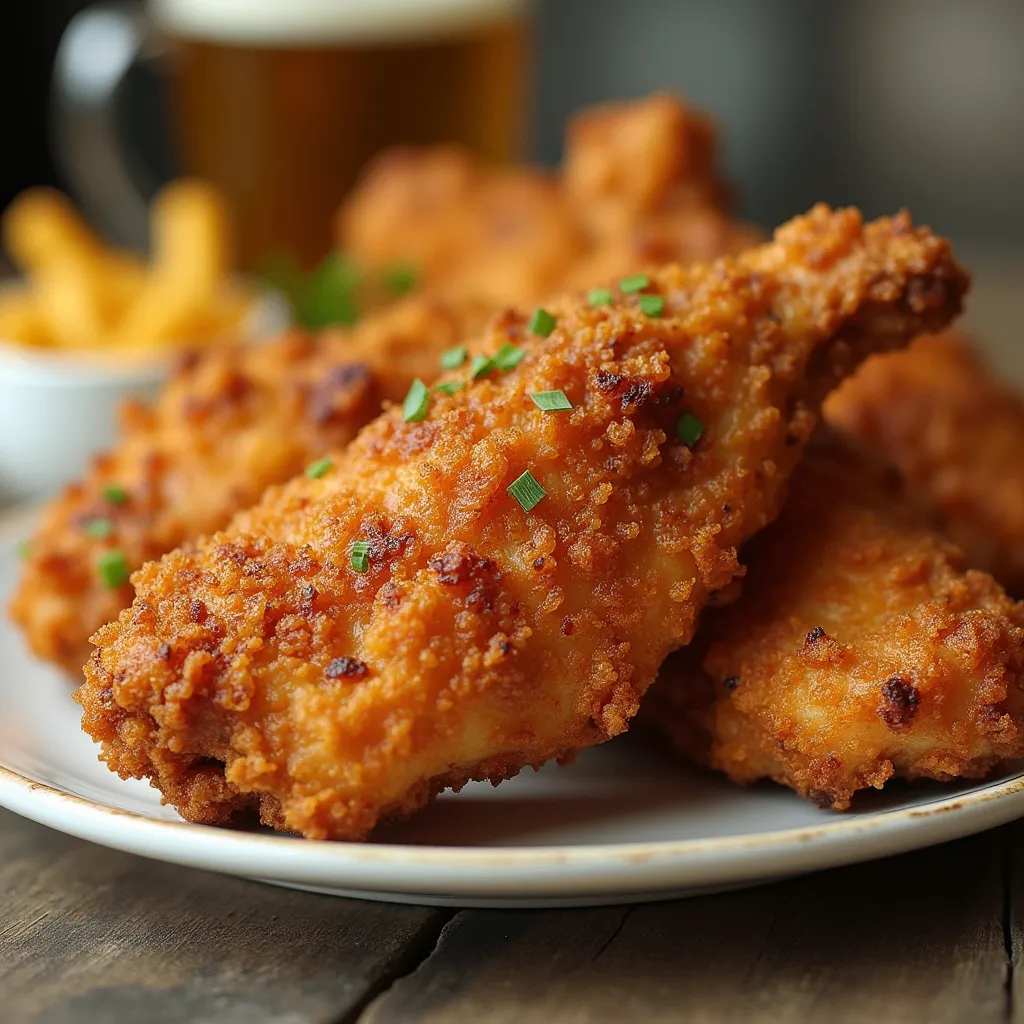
x=90, y=935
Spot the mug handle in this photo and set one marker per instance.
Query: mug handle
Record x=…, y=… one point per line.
x=98, y=48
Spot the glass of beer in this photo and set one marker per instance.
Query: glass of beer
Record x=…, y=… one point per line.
x=281, y=102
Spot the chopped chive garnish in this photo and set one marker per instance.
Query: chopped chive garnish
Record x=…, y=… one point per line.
x=113, y=569
x=320, y=468
x=689, y=429
x=23, y=548
x=651, y=305
x=634, y=283
x=360, y=555
x=508, y=357
x=101, y=529
x=414, y=408
x=551, y=401
x=526, y=491
x=453, y=358
x=600, y=297
x=480, y=366
x=115, y=494
x=542, y=322
x=328, y=296
x=449, y=387
x=400, y=278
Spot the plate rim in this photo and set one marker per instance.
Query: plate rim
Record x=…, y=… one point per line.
x=519, y=872
x=570, y=870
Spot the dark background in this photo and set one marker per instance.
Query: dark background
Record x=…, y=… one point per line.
x=882, y=103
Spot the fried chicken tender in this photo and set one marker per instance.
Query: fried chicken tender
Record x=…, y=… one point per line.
x=481, y=237
x=956, y=432
x=503, y=236
x=627, y=163
x=356, y=643
x=859, y=650
x=686, y=236
x=641, y=178
x=230, y=423
x=639, y=188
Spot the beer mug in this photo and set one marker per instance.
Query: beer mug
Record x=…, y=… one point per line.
x=281, y=102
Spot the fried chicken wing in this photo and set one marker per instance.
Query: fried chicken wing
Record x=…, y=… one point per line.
x=503, y=236
x=236, y=422
x=956, y=432
x=685, y=236
x=626, y=163
x=231, y=423
x=638, y=188
x=424, y=614
x=641, y=179
x=860, y=649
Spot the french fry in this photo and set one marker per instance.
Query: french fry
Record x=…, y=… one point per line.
x=191, y=243
x=69, y=304
x=191, y=235
x=21, y=319
x=81, y=285
x=42, y=227
x=124, y=277
x=82, y=294
x=63, y=259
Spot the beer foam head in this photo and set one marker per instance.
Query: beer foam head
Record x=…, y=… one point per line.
x=302, y=22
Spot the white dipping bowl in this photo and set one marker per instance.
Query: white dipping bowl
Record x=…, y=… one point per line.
x=58, y=408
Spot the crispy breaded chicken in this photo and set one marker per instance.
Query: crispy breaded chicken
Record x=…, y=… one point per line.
x=503, y=236
x=639, y=188
x=957, y=433
x=642, y=181
x=860, y=649
x=412, y=619
x=630, y=162
x=686, y=236
x=231, y=423
x=238, y=421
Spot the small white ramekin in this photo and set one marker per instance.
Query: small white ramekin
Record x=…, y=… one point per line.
x=59, y=408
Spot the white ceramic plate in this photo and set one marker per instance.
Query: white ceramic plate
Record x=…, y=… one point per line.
x=626, y=822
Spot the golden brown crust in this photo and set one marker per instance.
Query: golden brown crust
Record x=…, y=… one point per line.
x=238, y=421
x=639, y=188
x=956, y=432
x=628, y=163
x=501, y=236
x=483, y=638
x=859, y=650
x=686, y=236
x=228, y=425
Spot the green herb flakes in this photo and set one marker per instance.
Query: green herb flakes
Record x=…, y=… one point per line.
x=113, y=569
x=551, y=401
x=360, y=555
x=689, y=429
x=542, y=322
x=414, y=408
x=526, y=491
x=320, y=468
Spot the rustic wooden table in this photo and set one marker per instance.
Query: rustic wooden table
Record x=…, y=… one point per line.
x=90, y=935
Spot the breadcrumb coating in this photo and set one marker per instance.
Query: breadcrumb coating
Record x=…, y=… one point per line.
x=630, y=162
x=230, y=423
x=261, y=667
x=638, y=188
x=957, y=433
x=860, y=649
x=498, y=235
x=481, y=239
